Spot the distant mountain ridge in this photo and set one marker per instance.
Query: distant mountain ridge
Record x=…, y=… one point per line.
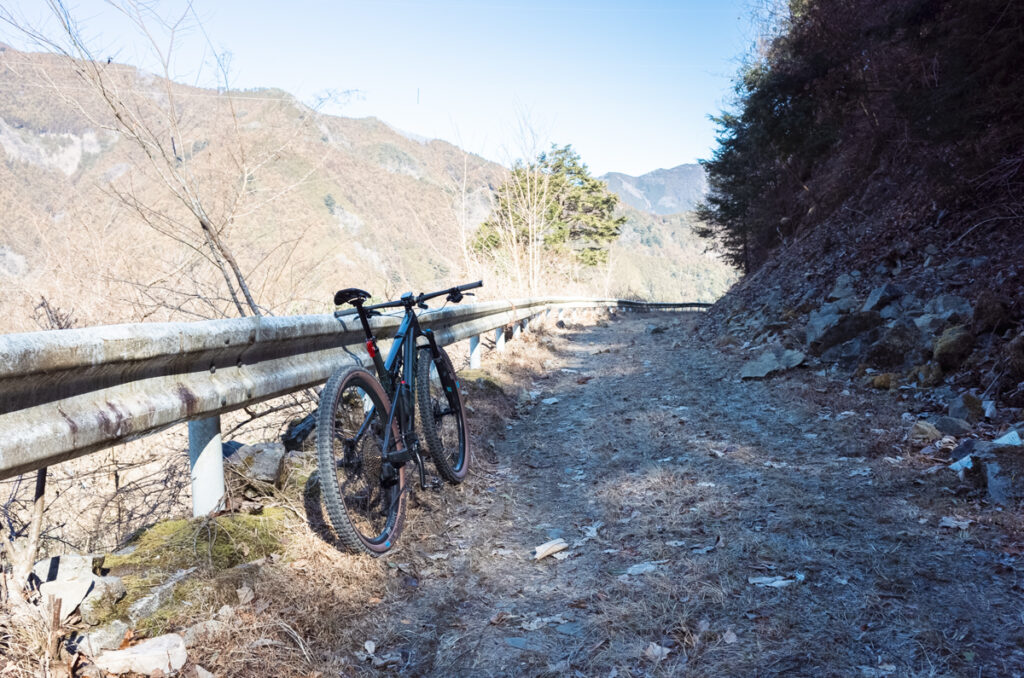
x=663, y=191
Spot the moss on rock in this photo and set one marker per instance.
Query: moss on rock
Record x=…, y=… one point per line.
x=221, y=542
x=953, y=347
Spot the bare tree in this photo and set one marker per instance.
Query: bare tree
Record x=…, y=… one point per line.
x=192, y=190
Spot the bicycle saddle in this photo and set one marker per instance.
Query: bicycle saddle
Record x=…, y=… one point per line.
x=350, y=295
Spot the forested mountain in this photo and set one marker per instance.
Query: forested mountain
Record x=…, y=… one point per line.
x=107, y=226
x=663, y=191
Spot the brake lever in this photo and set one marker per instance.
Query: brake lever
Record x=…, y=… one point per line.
x=423, y=305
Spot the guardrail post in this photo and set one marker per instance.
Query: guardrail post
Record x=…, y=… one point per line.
x=516, y=328
x=474, y=352
x=499, y=339
x=526, y=325
x=206, y=465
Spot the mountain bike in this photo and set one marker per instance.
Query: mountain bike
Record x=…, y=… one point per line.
x=367, y=430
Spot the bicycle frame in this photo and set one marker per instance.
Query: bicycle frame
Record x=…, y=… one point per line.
x=397, y=373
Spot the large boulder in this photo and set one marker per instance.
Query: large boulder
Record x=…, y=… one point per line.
x=952, y=347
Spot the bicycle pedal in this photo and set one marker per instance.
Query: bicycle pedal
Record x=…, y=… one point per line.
x=433, y=484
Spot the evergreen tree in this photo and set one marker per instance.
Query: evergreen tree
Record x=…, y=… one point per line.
x=551, y=205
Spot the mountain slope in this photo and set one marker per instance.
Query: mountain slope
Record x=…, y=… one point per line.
x=663, y=191
x=307, y=203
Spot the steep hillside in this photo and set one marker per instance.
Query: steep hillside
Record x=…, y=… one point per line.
x=663, y=191
x=871, y=182
x=306, y=202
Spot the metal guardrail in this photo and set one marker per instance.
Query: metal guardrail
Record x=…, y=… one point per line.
x=67, y=393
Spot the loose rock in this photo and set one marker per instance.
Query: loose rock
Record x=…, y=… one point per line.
x=62, y=568
x=773, y=360
x=70, y=593
x=952, y=426
x=881, y=297
x=968, y=407
x=163, y=653
x=261, y=464
x=953, y=347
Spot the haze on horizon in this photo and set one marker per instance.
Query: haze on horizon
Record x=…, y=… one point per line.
x=629, y=85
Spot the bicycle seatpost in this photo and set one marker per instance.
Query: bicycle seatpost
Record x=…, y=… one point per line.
x=371, y=342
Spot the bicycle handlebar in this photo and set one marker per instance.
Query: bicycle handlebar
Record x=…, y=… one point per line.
x=455, y=294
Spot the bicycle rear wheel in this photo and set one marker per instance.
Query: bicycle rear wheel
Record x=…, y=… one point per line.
x=441, y=413
x=365, y=496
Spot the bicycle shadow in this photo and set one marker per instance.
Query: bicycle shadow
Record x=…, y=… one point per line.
x=315, y=516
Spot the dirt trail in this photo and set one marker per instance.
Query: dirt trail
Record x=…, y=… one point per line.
x=676, y=485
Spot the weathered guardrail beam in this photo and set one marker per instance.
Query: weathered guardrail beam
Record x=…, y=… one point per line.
x=66, y=393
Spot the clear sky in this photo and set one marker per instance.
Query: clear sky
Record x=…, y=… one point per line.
x=628, y=84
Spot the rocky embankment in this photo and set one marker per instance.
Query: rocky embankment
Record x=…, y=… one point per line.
x=938, y=338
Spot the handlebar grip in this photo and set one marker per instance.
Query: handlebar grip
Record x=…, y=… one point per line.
x=470, y=286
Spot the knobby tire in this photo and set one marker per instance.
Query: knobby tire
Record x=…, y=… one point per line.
x=367, y=514
x=443, y=427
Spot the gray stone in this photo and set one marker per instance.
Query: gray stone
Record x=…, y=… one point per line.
x=106, y=637
x=950, y=307
x=99, y=604
x=775, y=359
x=881, y=296
x=844, y=305
x=819, y=322
x=70, y=593
x=262, y=463
x=204, y=629
x=952, y=426
x=843, y=288
x=891, y=311
x=147, y=605
x=929, y=322
x=203, y=673
x=967, y=407
x=845, y=329
x=849, y=354
x=69, y=566
x=164, y=653
x=997, y=485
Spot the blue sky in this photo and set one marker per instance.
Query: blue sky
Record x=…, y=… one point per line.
x=628, y=84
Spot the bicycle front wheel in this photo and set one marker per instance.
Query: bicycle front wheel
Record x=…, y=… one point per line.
x=364, y=495
x=441, y=415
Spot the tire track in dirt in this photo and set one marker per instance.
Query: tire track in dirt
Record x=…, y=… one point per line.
x=676, y=485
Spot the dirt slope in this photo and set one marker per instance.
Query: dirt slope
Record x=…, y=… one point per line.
x=707, y=483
